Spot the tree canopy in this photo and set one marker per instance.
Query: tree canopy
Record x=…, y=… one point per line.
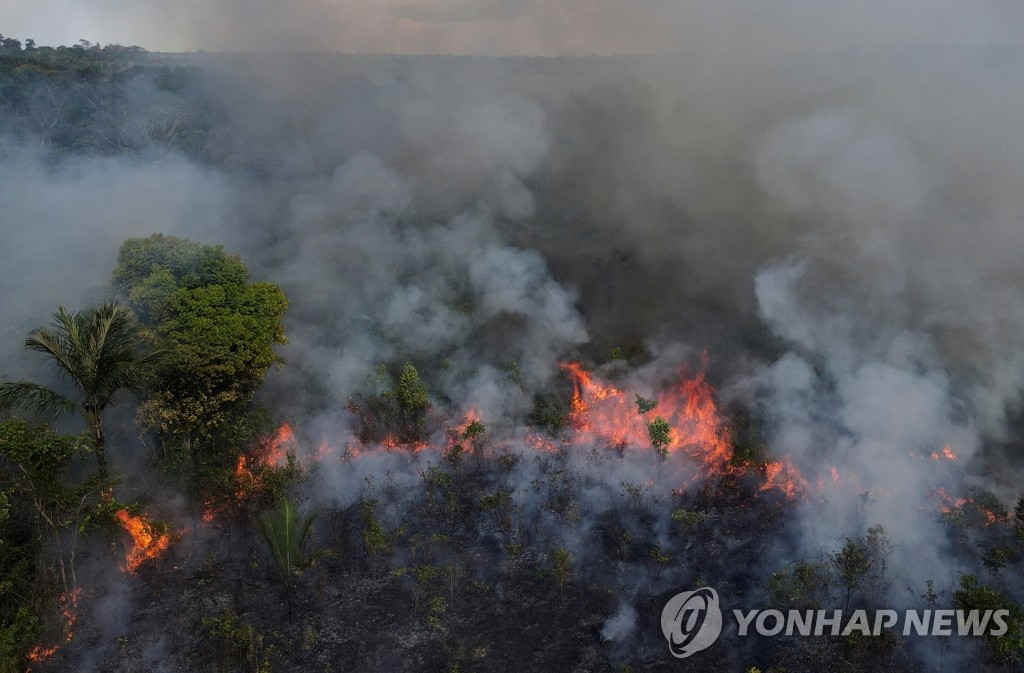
x=219, y=329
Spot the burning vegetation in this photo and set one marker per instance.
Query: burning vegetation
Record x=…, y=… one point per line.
x=68, y=601
x=148, y=540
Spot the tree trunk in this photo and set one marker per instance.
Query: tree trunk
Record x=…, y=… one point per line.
x=99, y=442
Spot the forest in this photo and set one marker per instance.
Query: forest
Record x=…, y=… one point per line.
x=324, y=362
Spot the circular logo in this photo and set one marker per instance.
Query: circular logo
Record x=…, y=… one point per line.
x=691, y=621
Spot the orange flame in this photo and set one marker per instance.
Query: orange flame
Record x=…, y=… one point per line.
x=784, y=477
x=274, y=452
x=147, y=543
x=210, y=509
x=471, y=416
x=601, y=412
x=948, y=503
x=68, y=604
x=947, y=454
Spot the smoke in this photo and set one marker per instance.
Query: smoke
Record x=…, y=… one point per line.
x=880, y=296
x=621, y=625
x=63, y=222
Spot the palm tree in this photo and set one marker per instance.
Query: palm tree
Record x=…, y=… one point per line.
x=98, y=349
x=286, y=532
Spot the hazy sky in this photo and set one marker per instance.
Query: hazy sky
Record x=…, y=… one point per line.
x=538, y=27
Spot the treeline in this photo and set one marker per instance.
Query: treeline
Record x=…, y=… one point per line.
x=99, y=100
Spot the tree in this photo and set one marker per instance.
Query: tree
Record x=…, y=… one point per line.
x=37, y=553
x=972, y=595
x=660, y=433
x=220, y=330
x=396, y=412
x=286, y=532
x=99, y=351
x=561, y=567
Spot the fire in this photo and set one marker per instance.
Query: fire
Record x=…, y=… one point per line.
x=601, y=412
x=68, y=605
x=210, y=509
x=947, y=454
x=540, y=442
x=948, y=504
x=784, y=477
x=585, y=390
x=147, y=541
x=390, y=442
x=274, y=451
x=472, y=416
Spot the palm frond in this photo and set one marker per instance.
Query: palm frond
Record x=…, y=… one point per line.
x=58, y=347
x=36, y=397
x=286, y=533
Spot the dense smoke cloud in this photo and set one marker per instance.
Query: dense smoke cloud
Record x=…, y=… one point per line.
x=62, y=224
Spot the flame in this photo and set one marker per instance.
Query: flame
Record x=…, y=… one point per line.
x=210, y=510
x=947, y=454
x=948, y=503
x=471, y=417
x=68, y=606
x=601, y=413
x=147, y=543
x=540, y=442
x=274, y=452
x=784, y=477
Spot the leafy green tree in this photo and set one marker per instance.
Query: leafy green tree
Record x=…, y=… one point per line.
x=411, y=394
x=643, y=404
x=550, y=413
x=660, y=433
x=860, y=567
x=220, y=330
x=99, y=351
x=151, y=270
x=972, y=595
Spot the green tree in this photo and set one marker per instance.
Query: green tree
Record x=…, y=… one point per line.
x=413, y=402
x=660, y=433
x=972, y=595
x=39, y=515
x=99, y=351
x=643, y=404
x=220, y=330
